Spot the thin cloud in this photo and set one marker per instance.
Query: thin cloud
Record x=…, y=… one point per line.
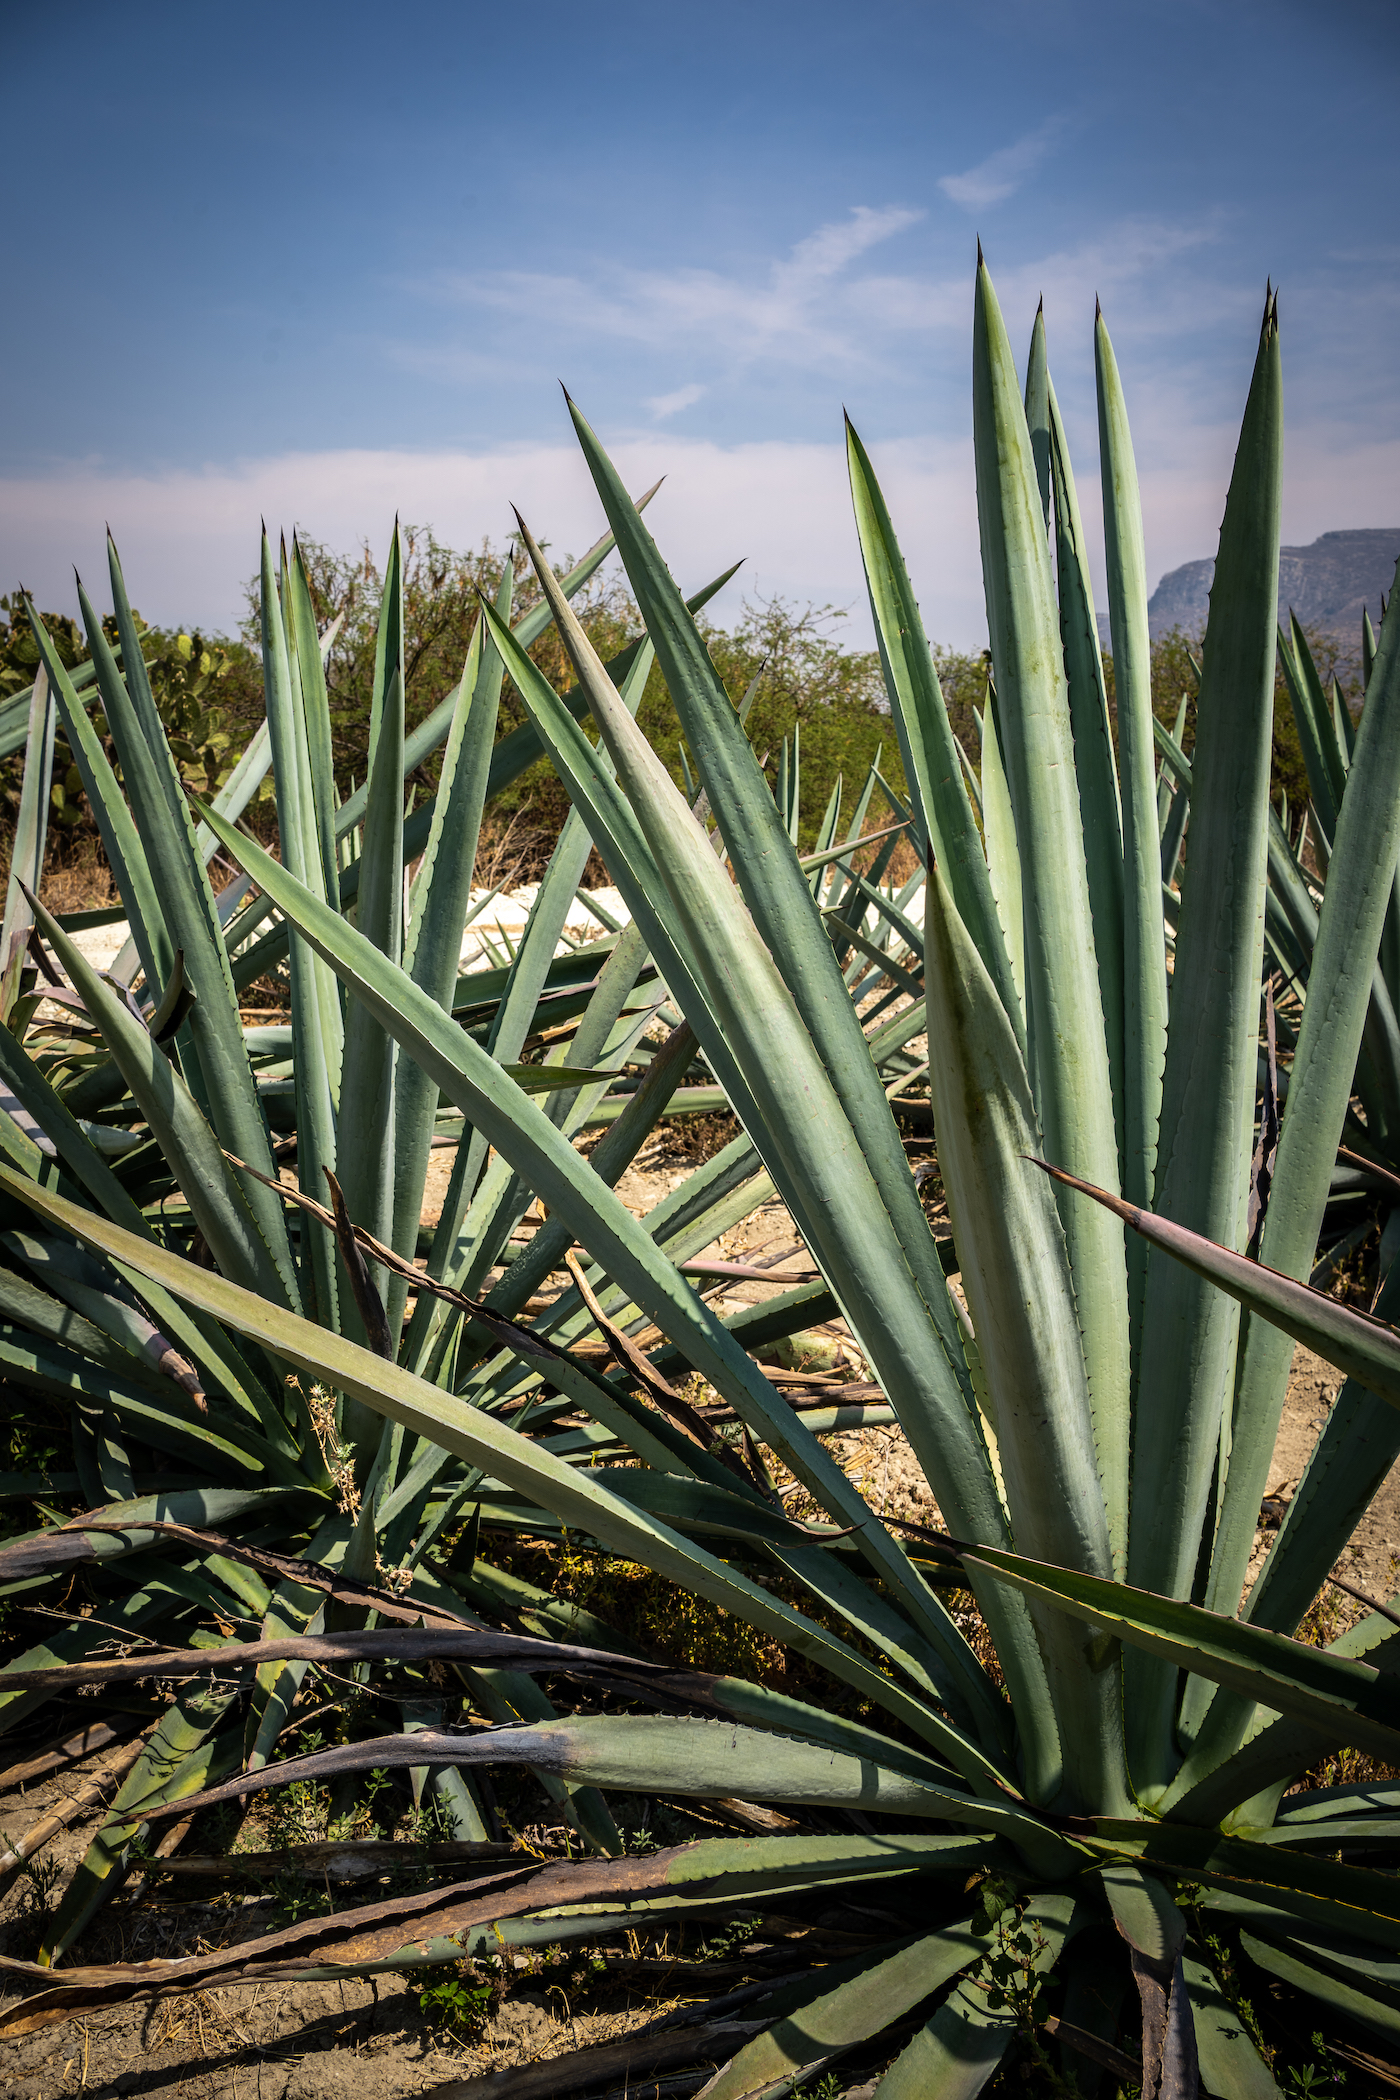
x=807, y=308
x=663, y=405
x=1002, y=173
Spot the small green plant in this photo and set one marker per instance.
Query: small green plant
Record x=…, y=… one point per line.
x=725, y=1945
x=458, y=1999
x=296, y=1898
x=1315, y=2080
x=39, y=1877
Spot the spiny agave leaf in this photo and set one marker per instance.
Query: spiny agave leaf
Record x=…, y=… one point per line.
x=1230, y=2064
x=179, y=1760
x=215, y=1198
x=1372, y=2011
x=125, y=852
x=366, y=1112
x=1144, y=1913
x=317, y=1022
x=935, y=1413
x=314, y=741
x=926, y=740
x=1068, y=1056
x=470, y=1644
x=1343, y=1696
x=778, y=1057
x=1029, y=1342
x=1099, y=810
x=506, y=1456
x=164, y=1418
x=1367, y=1349
x=520, y=747
x=205, y=1341
x=516, y=1013
x=1206, y=1136
x=630, y=859
x=212, y=1050
x=1003, y=857
x=439, y=905
x=27, y=848
x=961, y=2046
x=1357, y=896
x=886, y=1986
x=647, y=1753
x=1317, y=731
x=131, y=1527
x=71, y=1310
x=1359, y=1444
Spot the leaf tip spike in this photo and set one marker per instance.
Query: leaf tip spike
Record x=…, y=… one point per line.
x=1040, y=308
x=1098, y=308
x=980, y=260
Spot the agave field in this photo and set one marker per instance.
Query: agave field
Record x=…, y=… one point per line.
x=308, y=1437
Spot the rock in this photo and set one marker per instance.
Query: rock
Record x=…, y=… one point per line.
x=1326, y=584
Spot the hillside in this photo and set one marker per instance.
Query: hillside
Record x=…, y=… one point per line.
x=1326, y=585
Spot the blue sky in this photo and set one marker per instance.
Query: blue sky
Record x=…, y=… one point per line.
x=332, y=261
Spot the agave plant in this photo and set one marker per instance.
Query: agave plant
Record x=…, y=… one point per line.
x=1090, y=1372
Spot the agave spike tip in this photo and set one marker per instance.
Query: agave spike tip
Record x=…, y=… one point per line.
x=1040, y=307
x=980, y=261
x=1098, y=308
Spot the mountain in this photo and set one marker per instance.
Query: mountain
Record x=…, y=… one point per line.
x=1326, y=585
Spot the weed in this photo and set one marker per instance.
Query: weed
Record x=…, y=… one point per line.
x=297, y=1899
x=459, y=1998
x=1313, y=2081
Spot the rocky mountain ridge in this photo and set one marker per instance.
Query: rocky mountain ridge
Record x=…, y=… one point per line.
x=1326, y=585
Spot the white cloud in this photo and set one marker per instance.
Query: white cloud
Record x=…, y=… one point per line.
x=663, y=405
x=1003, y=172
x=189, y=541
x=804, y=308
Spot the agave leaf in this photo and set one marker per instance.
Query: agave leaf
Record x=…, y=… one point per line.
x=317, y=1021
x=504, y=1455
x=650, y=1753
x=314, y=740
x=1359, y=1444
x=212, y=1049
x=1206, y=1136
x=1317, y=729
x=1068, y=1058
x=441, y=899
x=27, y=848
x=1358, y=891
x=125, y=853
x=366, y=1169
x=1369, y=2009
x=933, y=1403
x=1003, y=858
x=179, y=1760
x=204, y=1340
x=926, y=742
x=1366, y=1348
x=1144, y=952
x=1029, y=1342
x=759, y=1016
x=1099, y=810
x=886, y=1986
x=215, y=1198
x=961, y=2046
x=529, y=971
x=1346, y=1697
